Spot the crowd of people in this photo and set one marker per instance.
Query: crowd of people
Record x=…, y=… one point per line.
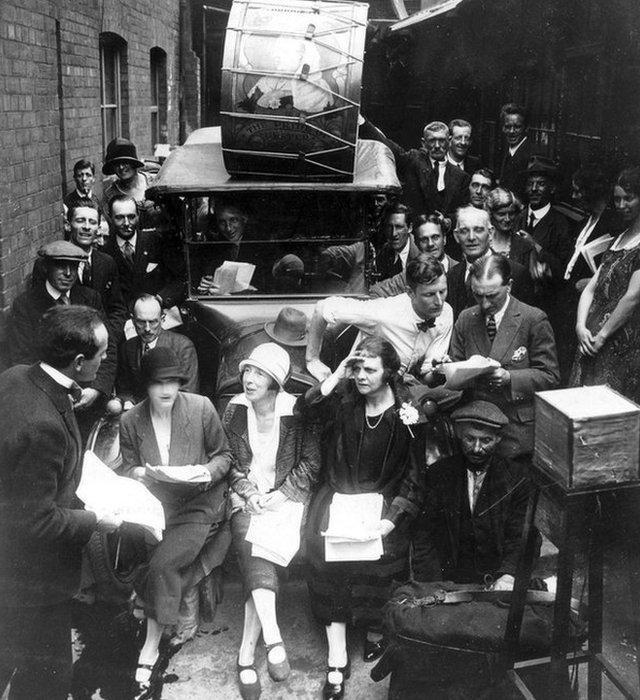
x=471, y=262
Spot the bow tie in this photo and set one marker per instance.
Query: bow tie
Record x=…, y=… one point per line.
x=75, y=392
x=425, y=325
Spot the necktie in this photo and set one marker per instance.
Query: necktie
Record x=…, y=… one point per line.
x=491, y=327
x=397, y=266
x=145, y=349
x=425, y=325
x=62, y=300
x=86, y=273
x=532, y=222
x=477, y=485
x=75, y=392
x=127, y=252
x=441, y=168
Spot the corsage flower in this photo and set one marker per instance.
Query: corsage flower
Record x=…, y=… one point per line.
x=409, y=415
x=519, y=354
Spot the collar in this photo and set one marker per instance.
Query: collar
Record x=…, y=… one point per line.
x=436, y=164
x=57, y=376
x=121, y=242
x=52, y=292
x=89, y=194
x=539, y=213
x=284, y=403
x=453, y=161
x=469, y=265
x=404, y=253
x=513, y=149
x=499, y=315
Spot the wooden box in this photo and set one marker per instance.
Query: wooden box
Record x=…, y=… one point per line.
x=587, y=437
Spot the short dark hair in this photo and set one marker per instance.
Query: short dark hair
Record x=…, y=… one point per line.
x=463, y=123
x=398, y=208
x=423, y=270
x=486, y=172
x=422, y=219
x=629, y=180
x=594, y=181
x=83, y=164
x=374, y=346
x=67, y=331
x=89, y=205
x=122, y=198
x=514, y=108
x=495, y=264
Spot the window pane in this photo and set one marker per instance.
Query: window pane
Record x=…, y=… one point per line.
x=155, y=79
x=110, y=76
x=110, y=122
x=154, y=129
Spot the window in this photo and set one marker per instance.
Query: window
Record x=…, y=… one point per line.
x=158, y=107
x=113, y=87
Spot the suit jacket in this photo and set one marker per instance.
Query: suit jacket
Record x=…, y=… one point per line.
x=397, y=284
x=197, y=437
x=459, y=293
x=524, y=345
x=129, y=380
x=552, y=234
x=497, y=520
x=42, y=524
x=158, y=268
x=74, y=199
x=25, y=317
x=297, y=459
x=512, y=167
x=471, y=164
x=385, y=260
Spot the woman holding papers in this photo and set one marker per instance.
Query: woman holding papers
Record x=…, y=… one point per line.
x=174, y=443
x=276, y=458
x=373, y=447
x=608, y=320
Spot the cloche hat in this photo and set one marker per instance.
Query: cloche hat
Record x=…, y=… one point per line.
x=120, y=150
x=271, y=359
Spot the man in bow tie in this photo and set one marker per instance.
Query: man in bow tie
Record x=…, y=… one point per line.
x=473, y=515
x=519, y=337
x=417, y=322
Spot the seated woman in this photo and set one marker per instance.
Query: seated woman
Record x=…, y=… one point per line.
x=373, y=445
x=174, y=443
x=276, y=462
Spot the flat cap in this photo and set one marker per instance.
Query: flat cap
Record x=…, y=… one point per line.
x=482, y=413
x=62, y=250
x=288, y=264
x=541, y=165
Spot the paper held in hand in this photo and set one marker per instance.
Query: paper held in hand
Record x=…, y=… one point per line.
x=275, y=534
x=352, y=533
x=187, y=474
x=103, y=491
x=233, y=277
x=460, y=375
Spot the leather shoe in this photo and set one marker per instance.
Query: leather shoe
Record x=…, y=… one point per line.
x=280, y=671
x=373, y=650
x=249, y=691
x=335, y=691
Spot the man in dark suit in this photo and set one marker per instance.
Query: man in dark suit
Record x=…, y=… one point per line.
x=61, y=260
x=473, y=235
x=517, y=149
x=147, y=320
x=458, y=153
x=473, y=516
x=42, y=524
x=146, y=263
x=399, y=248
x=519, y=337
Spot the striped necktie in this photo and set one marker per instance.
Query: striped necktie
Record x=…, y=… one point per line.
x=491, y=327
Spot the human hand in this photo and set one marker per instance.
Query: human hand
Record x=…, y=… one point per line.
x=88, y=398
x=318, y=369
x=139, y=473
x=504, y=583
x=253, y=504
x=586, y=341
x=437, y=364
x=272, y=501
x=127, y=405
x=385, y=526
x=498, y=379
x=599, y=341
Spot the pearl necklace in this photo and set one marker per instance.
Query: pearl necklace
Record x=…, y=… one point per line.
x=376, y=424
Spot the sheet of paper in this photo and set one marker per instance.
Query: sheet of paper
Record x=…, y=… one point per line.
x=460, y=375
x=187, y=474
x=352, y=551
x=233, y=277
x=592, y=252
x=275, y=534
x=103, y=491
x=352, y=534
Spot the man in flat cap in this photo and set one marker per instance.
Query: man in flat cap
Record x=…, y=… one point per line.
x=475, y=505
x=58, y=287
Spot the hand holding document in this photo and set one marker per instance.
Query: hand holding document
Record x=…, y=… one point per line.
x=102, y=491
x=353, y=532
x=187, y=474
x=460, y=375
x=275, y=534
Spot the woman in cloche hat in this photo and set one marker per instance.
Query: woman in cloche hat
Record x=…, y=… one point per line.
x=276, y=463
x=174, y=443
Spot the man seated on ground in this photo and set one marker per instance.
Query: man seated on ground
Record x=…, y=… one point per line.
x=147, y=320
x=417, y=322
x=475, y=505
x=430, y=240
x=520, y=338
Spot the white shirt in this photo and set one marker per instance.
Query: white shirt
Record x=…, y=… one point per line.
x=499, y=315
x=57, y=376
x=162, y=432
x=472, y=477
x=583, y=236
x=457, y=163
x=538, y=213
x=394, y=319
x=440, y=166
x=445, y=261
x=53, y=292
x=122, y=243
x=404, y=253
x=513, y=149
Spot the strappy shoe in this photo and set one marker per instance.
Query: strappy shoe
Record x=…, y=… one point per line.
x=280, y=671
x=248, y=691
x=146, y=688
x=335, y=691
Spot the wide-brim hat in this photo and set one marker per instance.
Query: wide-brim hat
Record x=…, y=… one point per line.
x=272, y=360
x=120, y=150
x=480, y=413
x=289, y=328
x=161, y=364
x=63, y=250
x=540, y=165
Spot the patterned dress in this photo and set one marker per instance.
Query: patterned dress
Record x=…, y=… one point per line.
x=618, y=361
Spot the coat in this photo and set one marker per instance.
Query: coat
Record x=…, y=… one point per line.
x=297, y=458
x=385, y=260
x=513, y=167
x=524, y=345
x=129, y=385
x=25, y=316
x=497, y=519
x=43, y=526
x=158, y=268
x=197, y=437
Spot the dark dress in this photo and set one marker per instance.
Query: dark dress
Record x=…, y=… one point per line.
x=360, y=459
x=617, y=362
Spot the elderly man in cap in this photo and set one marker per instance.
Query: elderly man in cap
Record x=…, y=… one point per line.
x=473, y=514
x=59, y=286
x=147, y=318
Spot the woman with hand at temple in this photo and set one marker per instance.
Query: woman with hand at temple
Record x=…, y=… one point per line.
x=608, y=319
x=373, y=444
x=174, y=443
x=276, y=459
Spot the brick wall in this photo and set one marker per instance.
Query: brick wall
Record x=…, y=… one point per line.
x=48, y=46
